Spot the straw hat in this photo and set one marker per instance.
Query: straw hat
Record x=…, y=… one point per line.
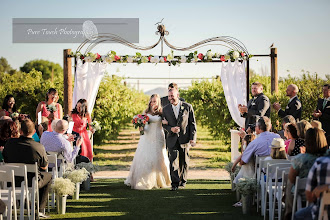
x=277, y=143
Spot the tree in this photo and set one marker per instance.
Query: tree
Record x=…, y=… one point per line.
x=5, y=67
x=48, y=69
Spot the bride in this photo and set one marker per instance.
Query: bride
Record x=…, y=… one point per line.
x=150, y=167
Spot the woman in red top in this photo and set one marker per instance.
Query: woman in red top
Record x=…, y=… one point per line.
x=46, y=107
x=81, y=117
x=8, y=106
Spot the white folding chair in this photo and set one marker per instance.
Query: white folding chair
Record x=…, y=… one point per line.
x=297, y=198
x=22, y=192
x=52, y=159
x=60, y=165
x=261, y=178
x=269, y=184
x=34, y=189
x=279, y=190
x=10, y=196
x=257, y=172
x=325, y=201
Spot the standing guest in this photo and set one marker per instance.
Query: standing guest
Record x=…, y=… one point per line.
x=315, y=146
x=294, y=147
x=294, y=106
x=46, y=107
x=25, y=150
x=322, y=112
x=287, y=119
x=257, y=107
x=81, y=117
x=8, y=106
x=164, y=100
x=318, y=181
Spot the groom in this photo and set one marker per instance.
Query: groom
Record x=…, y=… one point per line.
x=181, y=134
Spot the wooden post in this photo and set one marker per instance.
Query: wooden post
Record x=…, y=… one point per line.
x=273, y=70
x=67, y=73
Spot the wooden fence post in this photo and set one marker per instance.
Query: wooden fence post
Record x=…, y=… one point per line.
x=273, y=70
x=67, y=73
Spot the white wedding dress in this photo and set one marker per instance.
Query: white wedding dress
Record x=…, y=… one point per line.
x=150, y=167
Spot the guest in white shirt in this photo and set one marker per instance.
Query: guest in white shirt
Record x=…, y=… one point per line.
x=55, y=141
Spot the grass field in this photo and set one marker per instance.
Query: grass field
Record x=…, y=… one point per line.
x=201, y=199
x=118, y=154
x=110, y=198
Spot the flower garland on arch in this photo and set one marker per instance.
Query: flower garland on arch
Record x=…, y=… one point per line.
x=193, y=57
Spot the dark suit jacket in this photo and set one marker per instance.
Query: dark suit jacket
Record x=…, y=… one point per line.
x=325, y=118
x=293, y=108
x=256, y=108
x=186, y=122
x=164, y=101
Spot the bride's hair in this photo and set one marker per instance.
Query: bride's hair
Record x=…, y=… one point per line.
x=159, y=109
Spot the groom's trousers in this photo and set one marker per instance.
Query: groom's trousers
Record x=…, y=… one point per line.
x=179, y=160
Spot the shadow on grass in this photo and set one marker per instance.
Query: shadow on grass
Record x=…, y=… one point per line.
x=201, y=199
x=112, y=151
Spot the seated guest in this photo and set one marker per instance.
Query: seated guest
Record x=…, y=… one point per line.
x=246, y=171
x=56, y=142
x=293, y=107
x=302, y=127
x=315, y=146
x=25, y=150
x=318, y=181
x=260, y=145
x=292, y=134
x=40, y=129
x=8, y=130
x=287, y=119
x=8, y=106
x=277, y=149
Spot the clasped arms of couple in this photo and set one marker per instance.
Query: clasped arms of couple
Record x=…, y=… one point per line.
x=153, y=166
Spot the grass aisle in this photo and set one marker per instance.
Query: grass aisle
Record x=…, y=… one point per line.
x=201, y=199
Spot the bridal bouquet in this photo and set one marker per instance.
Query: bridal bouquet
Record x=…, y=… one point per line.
x=96, y=125
x=51, y=108
x=140, y=121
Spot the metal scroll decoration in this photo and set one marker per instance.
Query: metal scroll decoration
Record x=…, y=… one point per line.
x=226, y=41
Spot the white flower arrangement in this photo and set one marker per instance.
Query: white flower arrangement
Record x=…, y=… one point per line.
x=144, y=59
x=235, y=55
x=246, y=186
x=96, y=125
x=130, y=59
x=183, y=59
x=63, y=186
x=228, y=167
x=90, y=167
x=77, y=176
x=209, y=55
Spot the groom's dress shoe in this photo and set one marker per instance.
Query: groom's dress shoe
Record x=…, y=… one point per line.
x=174, y=188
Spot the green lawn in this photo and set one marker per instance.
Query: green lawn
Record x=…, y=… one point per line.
x=201, y=199
x=118, y=154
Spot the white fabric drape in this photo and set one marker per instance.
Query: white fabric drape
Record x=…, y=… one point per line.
x=233, y=78
x=87, y=81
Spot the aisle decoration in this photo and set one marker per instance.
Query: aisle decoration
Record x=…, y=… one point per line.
x=77, y=177
x=247, y=187
x=62, y=188
x=91, y=168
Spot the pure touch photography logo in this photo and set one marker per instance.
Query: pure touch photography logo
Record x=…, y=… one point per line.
x=72, y=30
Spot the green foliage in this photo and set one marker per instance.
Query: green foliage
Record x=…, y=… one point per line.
x=28, y=89
x=5, y=67
x=210, y=106
x=47, y=68
x=115, y=106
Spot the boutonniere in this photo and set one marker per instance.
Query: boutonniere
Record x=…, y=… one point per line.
x=182, y=107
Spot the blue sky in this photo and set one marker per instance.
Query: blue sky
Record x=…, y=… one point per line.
x=299, y=29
